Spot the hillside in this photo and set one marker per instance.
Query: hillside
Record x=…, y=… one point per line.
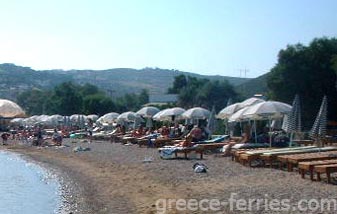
x=253, y=86
x=16, y=79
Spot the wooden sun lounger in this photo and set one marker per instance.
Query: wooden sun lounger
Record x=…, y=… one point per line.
x=188, y=150
x=294, y=159
x=249, y=156
x=327, y=169
x=270, y=157
x=280, y=150
x=126, y=140
x=199, y=148
x=309, y=166
x=160, y=142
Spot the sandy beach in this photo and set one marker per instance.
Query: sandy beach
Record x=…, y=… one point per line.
x=113, y=178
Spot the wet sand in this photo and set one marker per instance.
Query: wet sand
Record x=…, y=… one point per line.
x=113, y=178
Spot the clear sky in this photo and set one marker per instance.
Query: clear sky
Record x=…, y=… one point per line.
x=202, y=36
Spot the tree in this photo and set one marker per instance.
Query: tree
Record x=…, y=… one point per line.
x=308, y=71
x=33, y=101
x=179, y=83
x=98, y=104
x=67, y=99
x=143, y=97
x=202, y=92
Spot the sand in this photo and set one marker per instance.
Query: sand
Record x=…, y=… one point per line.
x=113, y=178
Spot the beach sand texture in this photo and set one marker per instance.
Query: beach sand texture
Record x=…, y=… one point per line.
x=113, y=178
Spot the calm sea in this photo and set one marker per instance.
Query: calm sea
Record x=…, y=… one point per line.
x=26, y=188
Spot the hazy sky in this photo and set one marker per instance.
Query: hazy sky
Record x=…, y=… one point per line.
x=201, y=36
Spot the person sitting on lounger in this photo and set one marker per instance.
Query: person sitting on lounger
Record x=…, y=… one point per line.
x=57, y=138
x=244, y=139
x=187, y=142
x=196, y=134
x=165, y=132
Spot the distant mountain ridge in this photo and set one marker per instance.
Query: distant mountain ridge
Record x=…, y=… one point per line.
x=116, y=82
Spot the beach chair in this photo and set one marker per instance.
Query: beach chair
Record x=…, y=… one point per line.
x=325, y=169
x=294, y=159
x=270, y=157
x=305, y=167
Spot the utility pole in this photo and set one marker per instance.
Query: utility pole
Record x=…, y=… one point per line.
x=244, y=71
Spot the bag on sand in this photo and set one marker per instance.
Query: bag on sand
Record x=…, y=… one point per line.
x=200, y=168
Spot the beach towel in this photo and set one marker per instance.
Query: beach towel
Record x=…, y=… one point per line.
x=167, y=153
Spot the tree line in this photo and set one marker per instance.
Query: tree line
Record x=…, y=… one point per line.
x=309, y=71
x=69, y=98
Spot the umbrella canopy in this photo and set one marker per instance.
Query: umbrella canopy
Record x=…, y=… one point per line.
x=239, y=115
x=231, y=109
x=10, y=109
x=319, y=127
x=148, y=111
x=267, y=109
x=196, y=113
x=169, y=114
x=158, y=115
x=17, y=121
x=108, y=118
x=76, y=118
x=92, y=117
x=228, y=111
x=128, y=116
x=250, y=101
x=294, y=117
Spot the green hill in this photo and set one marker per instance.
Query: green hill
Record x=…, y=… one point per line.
x=16, y=79
x=253, y=86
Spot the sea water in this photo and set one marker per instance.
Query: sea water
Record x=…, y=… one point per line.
x=26, y=188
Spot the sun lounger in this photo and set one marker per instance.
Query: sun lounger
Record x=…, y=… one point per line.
x=270, y=157
x=197, y=148
x=249, y=156
x=218, y=139
x=325, y=169
x=309, y=166
x=294, y=159
x=280, y=150
x=168, y=151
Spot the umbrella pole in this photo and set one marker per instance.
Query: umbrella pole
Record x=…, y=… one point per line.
x=270, y=132
x=255, y=131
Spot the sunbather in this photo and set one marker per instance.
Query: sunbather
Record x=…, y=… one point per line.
x=233, y=141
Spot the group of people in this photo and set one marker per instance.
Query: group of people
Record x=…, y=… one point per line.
x=33, y=136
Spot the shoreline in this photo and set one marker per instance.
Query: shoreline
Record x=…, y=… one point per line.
x=69, y=194
x=73, y=199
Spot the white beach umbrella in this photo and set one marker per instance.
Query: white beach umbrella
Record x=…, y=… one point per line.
x=250, y=101
x=196, y=113
x=108, y=118
x=128, y=116
x=239, y=115
x=158, y=115
x=10, y=109
x=170, y=114
x=267, y=110
x=231, y=109
x=17, y=121
x=228, y=111
x=148, y=111
x=92, y=117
